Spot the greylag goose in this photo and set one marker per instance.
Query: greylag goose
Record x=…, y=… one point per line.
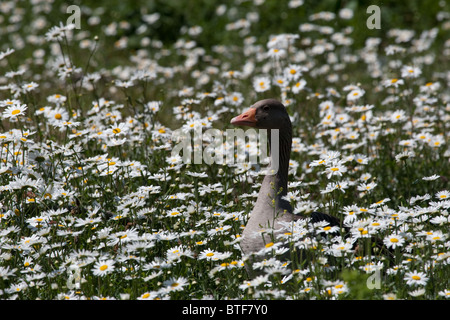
x=270, y=208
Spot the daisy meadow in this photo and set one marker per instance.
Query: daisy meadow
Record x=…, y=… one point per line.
x=114, y=130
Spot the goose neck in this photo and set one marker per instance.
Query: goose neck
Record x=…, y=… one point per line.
x=279, y=157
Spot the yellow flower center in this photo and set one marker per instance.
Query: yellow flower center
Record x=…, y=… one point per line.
x=362, y=231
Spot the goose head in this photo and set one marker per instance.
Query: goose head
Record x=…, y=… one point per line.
x=264, y=114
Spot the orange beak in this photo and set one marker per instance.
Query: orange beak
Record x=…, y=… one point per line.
x=245, y=119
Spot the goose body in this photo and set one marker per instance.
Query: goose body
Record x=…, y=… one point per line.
x=271, y=210
x=266, y=215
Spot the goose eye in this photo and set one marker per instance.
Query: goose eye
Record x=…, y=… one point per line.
x=266, y=108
